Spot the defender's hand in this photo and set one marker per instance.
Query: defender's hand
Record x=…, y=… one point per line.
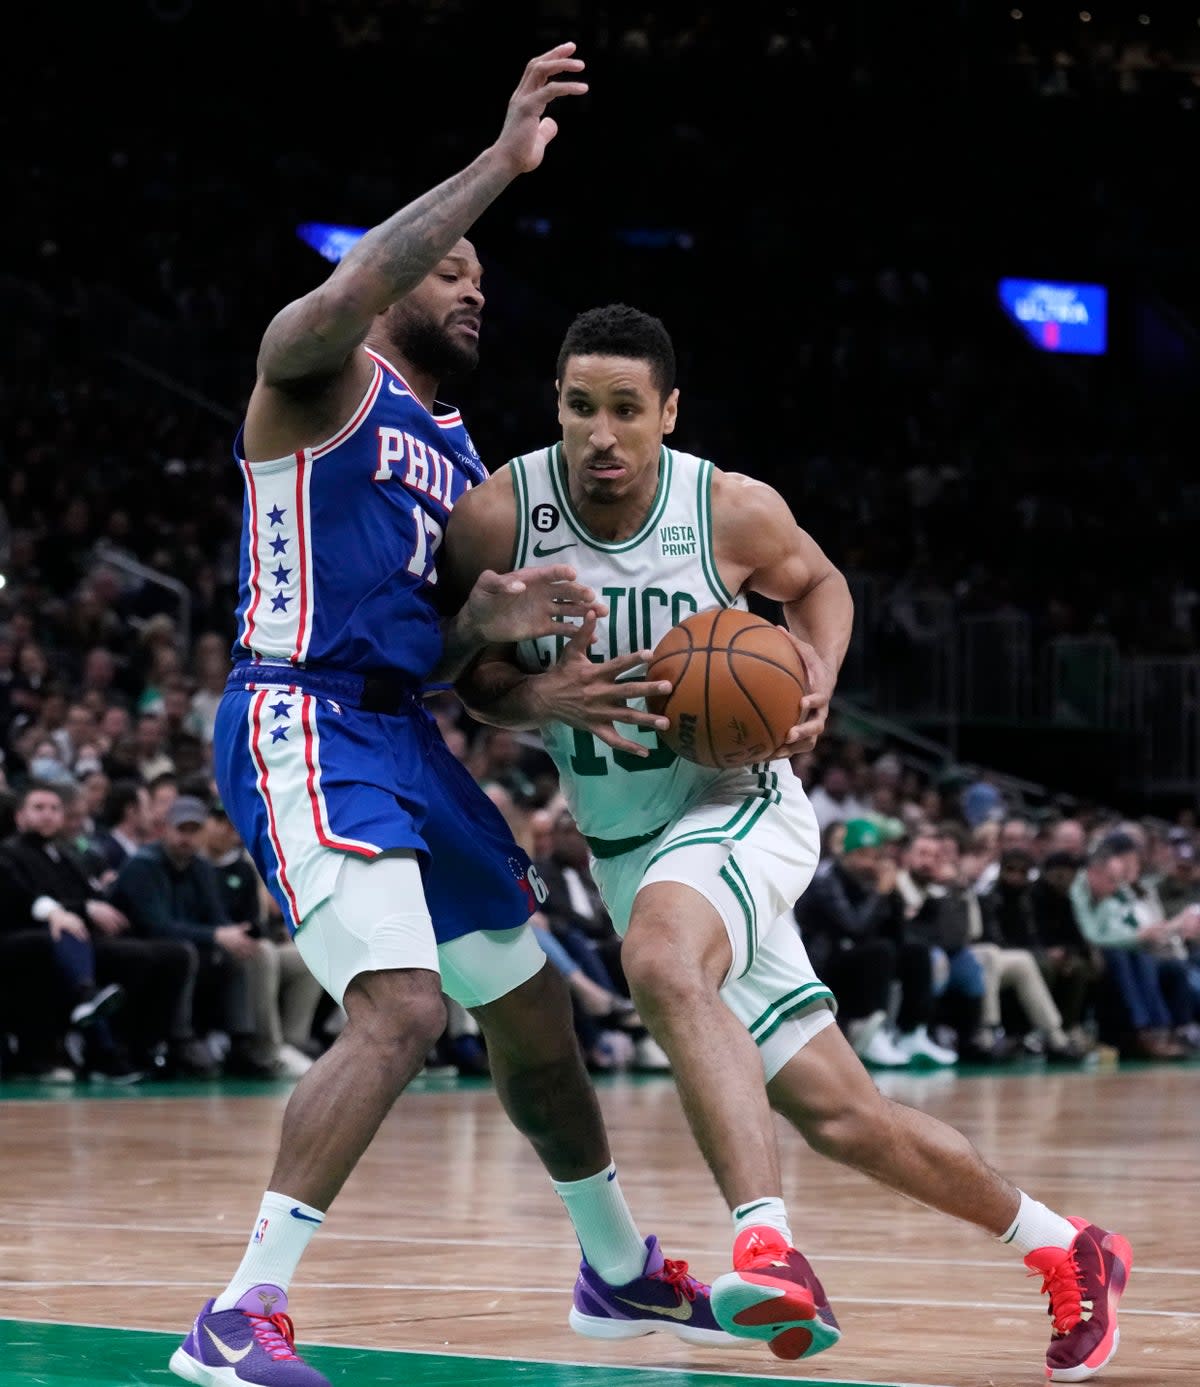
x=527, y=129
x=503, y=608
x=587, y=695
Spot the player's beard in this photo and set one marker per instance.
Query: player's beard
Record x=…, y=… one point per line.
x=431, y=348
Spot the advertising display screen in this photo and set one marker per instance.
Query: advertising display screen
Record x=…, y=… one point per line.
x=1059, y=316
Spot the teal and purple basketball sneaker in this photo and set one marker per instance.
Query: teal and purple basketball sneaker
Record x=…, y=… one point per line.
x=665, y=1296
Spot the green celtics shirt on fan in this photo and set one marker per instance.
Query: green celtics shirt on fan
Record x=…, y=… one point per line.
x=650, y=582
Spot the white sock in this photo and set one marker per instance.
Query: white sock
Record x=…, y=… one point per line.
x=759, y=1213
x=281, y=1235
x=1036, y=1226
x=611, y=1243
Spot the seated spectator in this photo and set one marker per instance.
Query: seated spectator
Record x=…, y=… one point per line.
x=601, y=1014
x=150, y=751
x=573, y=907
x=1169, y=944
x=169, y=891
x=287, y=994
x=579, y=923
x=1015, y=833
x=77, y=831
x=210, y=661
x=126, y=820
x=1179, y=884
x=937, y=910
x=1008, y=951
x=164, y=790
x=1070, y=965
x=1179, y=888
x=44, y=885
x=852, y=920
x=1105, y=910
x=833, y=799
x=35, y=1001
x=981, y=803
x=499, y=760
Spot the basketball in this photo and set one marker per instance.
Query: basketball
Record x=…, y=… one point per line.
x=738, y=682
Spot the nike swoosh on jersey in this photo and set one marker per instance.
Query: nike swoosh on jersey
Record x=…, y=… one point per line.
x=682, y=1311
x=397, y=389
x=540, y=553
x=230, y=1355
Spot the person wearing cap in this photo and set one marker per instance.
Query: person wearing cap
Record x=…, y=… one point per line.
x=852, y=920
x=169, y=891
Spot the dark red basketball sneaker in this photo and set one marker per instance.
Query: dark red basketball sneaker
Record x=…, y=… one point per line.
x=1084, y=1283
x=773, y=1294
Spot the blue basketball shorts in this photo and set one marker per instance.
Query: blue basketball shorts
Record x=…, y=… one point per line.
x=307, y=777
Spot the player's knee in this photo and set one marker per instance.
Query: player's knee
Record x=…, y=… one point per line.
x=531, y=1026
x=851, y=1128
x=396, y=1008
x=664, y=980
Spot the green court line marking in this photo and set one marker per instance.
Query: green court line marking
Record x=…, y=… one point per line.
x=36, y=1354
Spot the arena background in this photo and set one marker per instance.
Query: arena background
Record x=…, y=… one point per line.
x=819, y=200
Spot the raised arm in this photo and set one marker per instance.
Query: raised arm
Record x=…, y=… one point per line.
x=760, y=548
x=312, y=339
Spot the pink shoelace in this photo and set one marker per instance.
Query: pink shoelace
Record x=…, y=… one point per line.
x=676, y=1275
x=1063, y=1283
x=277, y=1334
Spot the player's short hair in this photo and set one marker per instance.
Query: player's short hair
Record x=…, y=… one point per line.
x=618, y=330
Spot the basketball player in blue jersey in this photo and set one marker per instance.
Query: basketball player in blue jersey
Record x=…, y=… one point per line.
x=700, y=868
x=393, y=869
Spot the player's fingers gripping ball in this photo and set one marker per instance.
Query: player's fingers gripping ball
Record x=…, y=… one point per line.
x=737, y=685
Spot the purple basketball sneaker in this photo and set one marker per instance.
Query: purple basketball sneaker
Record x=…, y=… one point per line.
x=252, y=1344
x=665, y=1296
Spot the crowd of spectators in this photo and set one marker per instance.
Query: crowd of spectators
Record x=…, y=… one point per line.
x=952, y=919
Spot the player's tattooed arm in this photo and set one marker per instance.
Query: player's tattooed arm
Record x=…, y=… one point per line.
x=313, y=338
x=485, y=604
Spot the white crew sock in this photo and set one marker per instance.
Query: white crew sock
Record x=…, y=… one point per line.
x=760, y=1213
x=281, y=1235
x=611, y=1243
x=1036, y=1226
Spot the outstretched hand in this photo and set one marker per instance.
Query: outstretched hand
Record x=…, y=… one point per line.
x=814, y=706
x=503, y=608
x=592, y=696
x=527, y=129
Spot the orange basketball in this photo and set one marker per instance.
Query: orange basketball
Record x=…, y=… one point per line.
x=738, y=682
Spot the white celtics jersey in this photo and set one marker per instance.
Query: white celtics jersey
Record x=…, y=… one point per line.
x=650, y=582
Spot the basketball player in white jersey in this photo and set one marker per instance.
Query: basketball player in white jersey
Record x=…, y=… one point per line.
x=699, y=867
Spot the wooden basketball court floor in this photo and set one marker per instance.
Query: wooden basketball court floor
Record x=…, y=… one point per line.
x=449, y=1260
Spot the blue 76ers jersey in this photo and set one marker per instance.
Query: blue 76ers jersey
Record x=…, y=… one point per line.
x=339, y=541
